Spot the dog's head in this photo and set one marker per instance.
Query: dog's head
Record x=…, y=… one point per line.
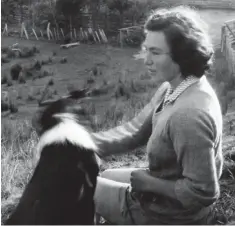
x=53, y=114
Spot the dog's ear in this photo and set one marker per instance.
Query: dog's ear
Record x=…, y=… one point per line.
x=43, y=118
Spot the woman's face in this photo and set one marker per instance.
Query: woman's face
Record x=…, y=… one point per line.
x=157, y=57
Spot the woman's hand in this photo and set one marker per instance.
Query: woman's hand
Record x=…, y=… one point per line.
x=139, y=180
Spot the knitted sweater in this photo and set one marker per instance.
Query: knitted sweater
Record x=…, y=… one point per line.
x=184, y=144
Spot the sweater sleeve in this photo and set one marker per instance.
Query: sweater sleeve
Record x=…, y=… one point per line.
x=132, y=134
x=193, y=135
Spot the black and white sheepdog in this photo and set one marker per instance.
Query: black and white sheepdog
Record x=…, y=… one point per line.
x=61, y=190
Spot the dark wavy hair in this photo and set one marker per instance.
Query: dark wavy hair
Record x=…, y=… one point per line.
x=187, y=37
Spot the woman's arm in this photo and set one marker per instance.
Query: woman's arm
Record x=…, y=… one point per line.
x=193, y=135
x=132, y=134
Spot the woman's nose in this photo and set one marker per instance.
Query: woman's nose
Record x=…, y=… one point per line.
x=148, y=59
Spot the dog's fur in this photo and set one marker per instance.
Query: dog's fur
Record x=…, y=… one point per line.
x=62, y=187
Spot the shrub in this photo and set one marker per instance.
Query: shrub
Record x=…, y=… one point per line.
x=4, y=105
x=28, y=52
x=64, y=60
x=15, y=71
x=44, y=73
x=51, y=82
x=4, y=79
x=37, y=65
x=4, y=49
x=35, y=49
x=21, y=78
x=13, y=107
x=46, y=61
x=9, y=81
x=4, y=58
x=11, y=53
x=134, y=38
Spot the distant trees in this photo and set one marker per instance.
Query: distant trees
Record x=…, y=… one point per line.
x=8, y=8
x=66, y=13
x=69, y=8
x=121, y=6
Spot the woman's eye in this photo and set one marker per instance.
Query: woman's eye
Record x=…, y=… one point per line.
x=155, y=53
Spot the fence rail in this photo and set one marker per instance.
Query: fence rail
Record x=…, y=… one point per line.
x=228, y=44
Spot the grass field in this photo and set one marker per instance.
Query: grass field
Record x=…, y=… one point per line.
x=124, y=88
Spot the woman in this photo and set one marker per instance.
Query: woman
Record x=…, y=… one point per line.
x=181, y=126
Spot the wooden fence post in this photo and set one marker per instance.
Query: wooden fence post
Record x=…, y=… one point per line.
x=75, y=33
x=35, y=33
x=56, y=38
x=41, y=33
x=62, y=32
x=23, y=31
x=49, y=33
x=5, y=30
x=97, y=36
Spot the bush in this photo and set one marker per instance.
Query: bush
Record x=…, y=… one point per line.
x=37, y=65
x=135, y=38
x=51, y=82
x=9, y=81
x=28, y=52
x=10, y=53
x=44, y=73
x=47, y=61
x=9, y=104
x=21, y=78
x=15, y=71
x=4, y=59
x=4, y=79
x=64, y=60
x=4, y=105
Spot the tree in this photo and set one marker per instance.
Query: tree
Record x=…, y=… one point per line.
x=121, y=6
x=137, y=11
x=94, y=7
x=69, y=8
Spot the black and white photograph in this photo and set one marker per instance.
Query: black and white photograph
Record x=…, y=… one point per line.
x=118, y=112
